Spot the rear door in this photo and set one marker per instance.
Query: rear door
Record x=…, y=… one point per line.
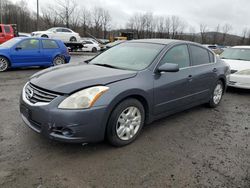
x=49, y=49
x=27, y=53
x=204, y=73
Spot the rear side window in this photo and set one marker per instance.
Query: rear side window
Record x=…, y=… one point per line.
x=49, y=44
x=177, y=55
x=7, y=29
x=66, y=31
x=200, y=55
x=29, y=44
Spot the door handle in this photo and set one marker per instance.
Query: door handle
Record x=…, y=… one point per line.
x=214, y=70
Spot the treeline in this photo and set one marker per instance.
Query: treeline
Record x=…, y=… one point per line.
x=98, y=23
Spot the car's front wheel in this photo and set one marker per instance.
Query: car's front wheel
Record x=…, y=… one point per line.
x=58, y=60
x=4, y=64
x=217, y=94
x=125, y=123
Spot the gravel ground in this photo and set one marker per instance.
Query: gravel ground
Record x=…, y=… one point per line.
x=200, y=147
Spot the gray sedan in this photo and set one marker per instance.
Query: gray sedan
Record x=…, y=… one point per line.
x=113, y=95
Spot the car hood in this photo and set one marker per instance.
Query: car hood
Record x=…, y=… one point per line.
x=72, y=77
x=238, y=64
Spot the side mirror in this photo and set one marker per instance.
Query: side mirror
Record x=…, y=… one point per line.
x=54, y=31
x=168, y=67
x=18, y=48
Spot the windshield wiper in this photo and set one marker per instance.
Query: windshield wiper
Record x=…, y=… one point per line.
x=106, y=65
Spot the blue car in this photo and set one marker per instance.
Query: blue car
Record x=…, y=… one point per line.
x=27, y=51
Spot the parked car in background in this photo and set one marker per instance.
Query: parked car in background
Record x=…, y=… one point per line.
x=20, y=34
x=215, y=48
x=238, y=58
x=61, y=33
x=91, y=46
x=122, y=89
x=27, y=51
x=6, y=33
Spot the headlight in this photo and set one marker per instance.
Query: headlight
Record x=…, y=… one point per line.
x=84, y=98
x=244, y=72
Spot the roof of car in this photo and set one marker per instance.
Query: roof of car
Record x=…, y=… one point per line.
x=159, y=41
x=246, y=47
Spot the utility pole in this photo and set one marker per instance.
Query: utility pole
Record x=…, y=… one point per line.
x=1, y=12
x=37, y=15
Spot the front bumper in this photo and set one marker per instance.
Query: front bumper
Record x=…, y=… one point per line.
x=72, y=126
x=239, y=81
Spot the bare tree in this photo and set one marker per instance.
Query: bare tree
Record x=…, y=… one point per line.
x=106, y=19
x=66, y=10
x=226, y=28
x=203, y=32
x=215, y=35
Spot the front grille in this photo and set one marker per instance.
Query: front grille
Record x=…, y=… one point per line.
x=35, y=95
x=233, y=71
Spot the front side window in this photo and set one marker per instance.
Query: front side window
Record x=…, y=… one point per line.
x=49, y=44
x=29, y=44
x=59, y=30
x=200, y=55
x=177, y=55
x=129, y=56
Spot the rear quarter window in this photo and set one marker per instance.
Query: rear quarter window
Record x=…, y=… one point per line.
x=200, y=55
x=7, y=29
x=49, y=44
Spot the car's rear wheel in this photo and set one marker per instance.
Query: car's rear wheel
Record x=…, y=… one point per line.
x=45, y=36
x=72, y=39
x=4, y=64
x=59, y=60
x=217, y=94
x=94, y=49
x=125, y=123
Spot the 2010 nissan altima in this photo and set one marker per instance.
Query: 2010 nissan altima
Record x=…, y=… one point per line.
x=122, y=89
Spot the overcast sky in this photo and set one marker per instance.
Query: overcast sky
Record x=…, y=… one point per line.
x=194, y=12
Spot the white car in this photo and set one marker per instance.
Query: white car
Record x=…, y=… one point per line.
x=61, y=33
x=238, y=58
x=90, y=46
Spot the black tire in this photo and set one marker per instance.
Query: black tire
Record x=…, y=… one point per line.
x=45, y=36
x=113, y=123
x=213, y=102
x=59, y=60
x=72, y=39
x=4, y=64
x=94, y=50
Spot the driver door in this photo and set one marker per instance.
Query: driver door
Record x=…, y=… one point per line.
x=172, y=89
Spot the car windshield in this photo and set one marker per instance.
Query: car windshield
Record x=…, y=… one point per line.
x=10, y=43
x=236, y=54
x=51, y=29
x=130, y=56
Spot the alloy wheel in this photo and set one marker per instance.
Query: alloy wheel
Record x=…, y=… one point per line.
x=128, y=123
x=218, y=92
x=3, y=64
